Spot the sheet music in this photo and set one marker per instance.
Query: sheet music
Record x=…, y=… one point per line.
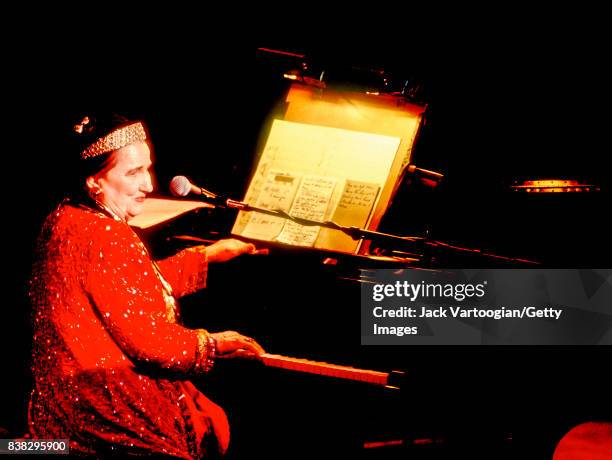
x=277, y=193
x=311, y=150
x=353, y=209
x=311, y=202
x=356, y=202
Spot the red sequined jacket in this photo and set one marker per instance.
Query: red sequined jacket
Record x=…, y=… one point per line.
x=110, y=362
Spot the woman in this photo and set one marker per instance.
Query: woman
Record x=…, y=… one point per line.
x=110, y=357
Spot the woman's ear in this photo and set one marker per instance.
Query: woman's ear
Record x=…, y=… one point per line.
x=93, y=185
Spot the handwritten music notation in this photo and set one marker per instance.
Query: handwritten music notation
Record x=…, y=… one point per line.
x=338, y=174
x=311, y=203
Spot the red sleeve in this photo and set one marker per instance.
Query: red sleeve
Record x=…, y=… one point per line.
x=127, y=294
x=185, y=271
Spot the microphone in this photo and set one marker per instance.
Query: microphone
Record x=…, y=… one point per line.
x=181, y=186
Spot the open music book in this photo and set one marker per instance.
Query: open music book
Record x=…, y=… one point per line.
x=320, y=174
x=330, y=155
x=310, y=197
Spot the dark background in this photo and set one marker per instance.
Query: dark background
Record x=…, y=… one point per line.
x=504, y=104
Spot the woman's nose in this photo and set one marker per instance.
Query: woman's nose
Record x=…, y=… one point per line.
x=147, y=185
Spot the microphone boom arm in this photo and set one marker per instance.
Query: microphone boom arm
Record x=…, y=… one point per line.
x=180, y=186
x=355, y=233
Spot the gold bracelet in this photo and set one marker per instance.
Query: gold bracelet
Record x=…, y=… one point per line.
x=211, y=353
x=206, y=352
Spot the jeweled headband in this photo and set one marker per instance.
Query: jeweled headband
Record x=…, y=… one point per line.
x=118, y=138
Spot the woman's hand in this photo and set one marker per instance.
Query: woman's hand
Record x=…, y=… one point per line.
x=231, y=344
x=227, y=249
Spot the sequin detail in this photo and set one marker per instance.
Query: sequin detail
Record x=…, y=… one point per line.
x=110, y=357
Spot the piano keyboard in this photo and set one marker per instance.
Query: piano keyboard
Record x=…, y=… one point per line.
x=322, y=368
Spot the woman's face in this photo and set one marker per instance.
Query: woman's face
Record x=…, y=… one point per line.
x=124, y=187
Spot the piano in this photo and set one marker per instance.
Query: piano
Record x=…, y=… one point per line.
x=318, y=391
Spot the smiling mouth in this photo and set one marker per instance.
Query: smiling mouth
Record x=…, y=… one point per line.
x=141, y=199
